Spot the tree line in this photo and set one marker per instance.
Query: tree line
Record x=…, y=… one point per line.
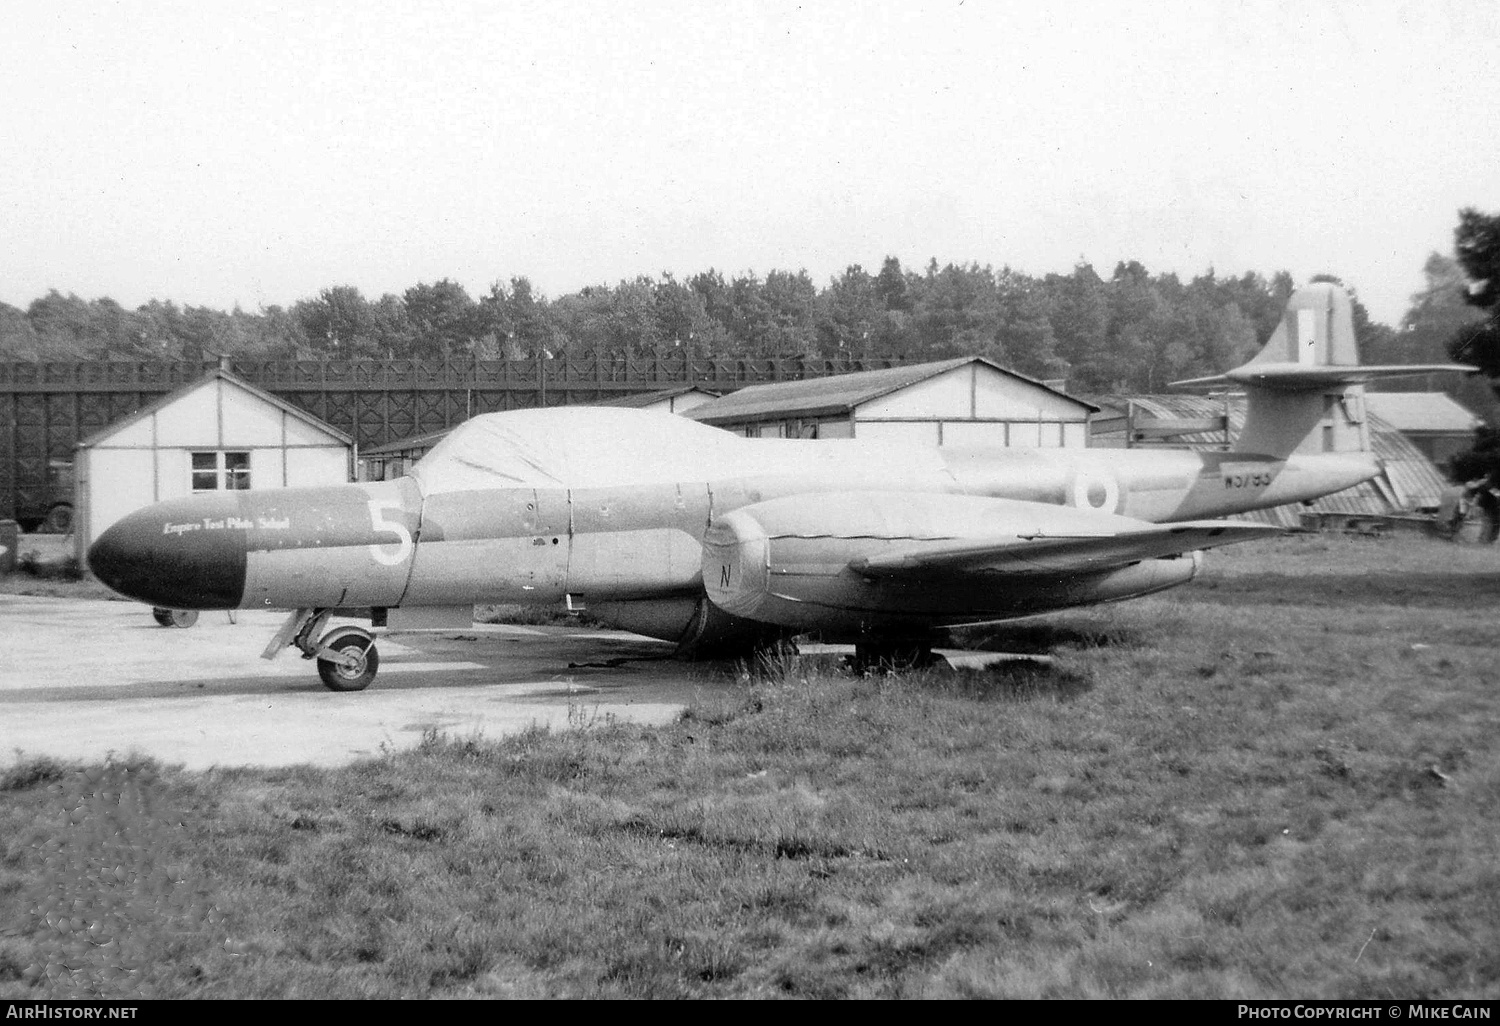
x=1477, y=341
x=1130, y=332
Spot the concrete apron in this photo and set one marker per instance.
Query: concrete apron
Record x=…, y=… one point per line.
x=83, y=680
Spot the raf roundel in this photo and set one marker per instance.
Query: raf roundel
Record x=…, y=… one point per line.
x=1095, y=491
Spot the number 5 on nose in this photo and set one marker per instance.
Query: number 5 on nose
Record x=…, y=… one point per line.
x=396, y=527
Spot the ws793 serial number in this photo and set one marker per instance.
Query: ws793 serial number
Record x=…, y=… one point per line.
x=1249, y=479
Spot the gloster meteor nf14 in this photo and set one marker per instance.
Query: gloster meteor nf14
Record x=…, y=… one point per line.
x=682, y=531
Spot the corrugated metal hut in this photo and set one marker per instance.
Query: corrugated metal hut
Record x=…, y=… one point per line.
x=1434, y=422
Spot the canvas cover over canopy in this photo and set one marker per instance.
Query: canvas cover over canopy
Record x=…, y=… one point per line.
x=604, y=447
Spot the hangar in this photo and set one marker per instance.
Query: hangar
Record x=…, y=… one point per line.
x=965, y=401
x=218, y=432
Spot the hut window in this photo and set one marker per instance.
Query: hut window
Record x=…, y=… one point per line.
x=215, y=471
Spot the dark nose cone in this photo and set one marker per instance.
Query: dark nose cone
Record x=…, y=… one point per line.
x=182, y=554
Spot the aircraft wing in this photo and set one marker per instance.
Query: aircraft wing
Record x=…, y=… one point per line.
x=1059, y=554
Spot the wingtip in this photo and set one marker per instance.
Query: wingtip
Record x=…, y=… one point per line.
x=1217, y=379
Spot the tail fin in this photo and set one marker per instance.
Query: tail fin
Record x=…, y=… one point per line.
x=1305, y=389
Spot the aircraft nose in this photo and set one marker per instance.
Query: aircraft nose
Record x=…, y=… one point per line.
x=181, y=554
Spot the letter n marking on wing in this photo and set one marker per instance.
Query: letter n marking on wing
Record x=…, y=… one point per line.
x=723, y=575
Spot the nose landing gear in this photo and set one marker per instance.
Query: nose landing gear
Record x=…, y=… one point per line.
x=347, y=658
x=174, y=617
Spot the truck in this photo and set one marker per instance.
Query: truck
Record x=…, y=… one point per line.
x=49, y=508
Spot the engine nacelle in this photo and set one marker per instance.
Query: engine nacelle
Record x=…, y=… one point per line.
x=698, y=627
x=787, y=562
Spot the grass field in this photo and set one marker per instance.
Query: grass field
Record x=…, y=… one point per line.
x=1280, y=781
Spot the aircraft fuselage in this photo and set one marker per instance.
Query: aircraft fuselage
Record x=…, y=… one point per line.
x=390, y=544
x=671, y=528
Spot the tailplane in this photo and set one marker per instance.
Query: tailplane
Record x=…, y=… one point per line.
x=1304, y=389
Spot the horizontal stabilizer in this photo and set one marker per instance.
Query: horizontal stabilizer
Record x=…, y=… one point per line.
x=1303, y=389
x=1297, y=377
x=1314, y=347
x=1052, y=554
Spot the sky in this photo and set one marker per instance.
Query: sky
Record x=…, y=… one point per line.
x=256, y=153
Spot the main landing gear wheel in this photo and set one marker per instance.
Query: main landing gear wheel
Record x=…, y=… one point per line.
x=347, y=660
x=174, y=617
x=777, y=655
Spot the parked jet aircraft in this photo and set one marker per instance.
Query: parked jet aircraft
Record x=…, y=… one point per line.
x=685, y=532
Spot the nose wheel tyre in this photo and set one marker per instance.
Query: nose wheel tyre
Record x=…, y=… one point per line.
x=175, y=617
x=348, y=662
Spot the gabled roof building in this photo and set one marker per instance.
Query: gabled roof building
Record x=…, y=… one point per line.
x=965, y=401
x=217, y=433
x=680, y=399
